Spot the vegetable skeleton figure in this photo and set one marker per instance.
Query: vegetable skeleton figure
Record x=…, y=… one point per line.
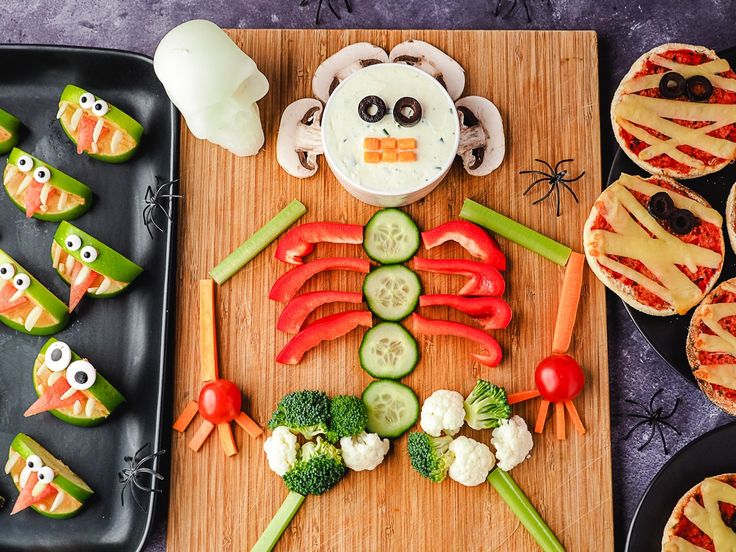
x=220, y=400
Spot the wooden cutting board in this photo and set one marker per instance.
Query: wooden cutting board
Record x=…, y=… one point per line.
x=546, y=86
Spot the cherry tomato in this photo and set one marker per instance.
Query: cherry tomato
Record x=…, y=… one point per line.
x=220, y=401
x=559, y=378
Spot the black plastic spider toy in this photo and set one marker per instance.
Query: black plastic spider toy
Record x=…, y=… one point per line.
x=556, y=181
x=654, y=418
x=524, y=3
x=128, y=477
x=348, y=7
x=154, y=203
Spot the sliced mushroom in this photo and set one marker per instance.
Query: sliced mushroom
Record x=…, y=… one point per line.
x=434, y=61
x=482, y=143
x=300, y=141
x=344, y=63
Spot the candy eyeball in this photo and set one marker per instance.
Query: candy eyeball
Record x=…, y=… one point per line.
x=81, y=375
x=88, y=254
x=73, y=242
x=24, y=163
x=42, y=175
x=46, y=475
x=100, y=108
x=86, y=100
x=34, y=463
x=21, y=281
x=58, y=356
x=7, y=271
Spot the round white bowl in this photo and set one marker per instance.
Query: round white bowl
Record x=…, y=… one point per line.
x=404, y=195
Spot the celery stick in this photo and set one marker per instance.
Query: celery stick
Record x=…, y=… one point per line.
x=258, y=242
x=523, y=509
x=279, y=523
x=516, y=232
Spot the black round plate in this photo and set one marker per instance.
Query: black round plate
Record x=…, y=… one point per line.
x=706, y=456
x=667, y=334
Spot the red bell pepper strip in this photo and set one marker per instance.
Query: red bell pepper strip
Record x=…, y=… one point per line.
x=299, y=308
x=471, y=237
x=329, y=327
x=426, y=326
x=285, y=288
x=6, y=294
x=26, y=499
x=33, y=198
x=299, y=241
x=492, y=313
x=484, y=279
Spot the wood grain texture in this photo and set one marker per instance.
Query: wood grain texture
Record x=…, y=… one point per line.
x=545, y=85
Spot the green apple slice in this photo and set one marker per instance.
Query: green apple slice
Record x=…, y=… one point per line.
x=9, y=127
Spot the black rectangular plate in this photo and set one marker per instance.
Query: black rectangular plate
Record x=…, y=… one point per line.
x=126, y=338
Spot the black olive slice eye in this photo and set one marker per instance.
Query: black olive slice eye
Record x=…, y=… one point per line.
x=699, y=88
x=672, y=85
x=372, y=109
x=407, y=111
x=660, y=205
x=681, y=221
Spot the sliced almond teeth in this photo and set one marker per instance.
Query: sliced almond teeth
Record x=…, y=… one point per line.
x=53, y=378
x=69, y=263
x=74, y=121
x=82, y=276
x=57, y=255
x=32, y=318
x=42, y=369
x=57, y=501
x=93, y=148
x=104, y=286
x=62, y=109
x=10, y=172
x=98, y=129
x=12, y=459
x=61, y=204
x=77, y=408
x=89, y=408
x=115, y=142
x=45, y=193
x=17, y=295
x=38, y=488
x=24, y=184
x=68, y=393
x=25, y=474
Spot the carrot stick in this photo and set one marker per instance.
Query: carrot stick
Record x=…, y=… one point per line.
x=522, y=396
x=567, y=310
x=207, y=331
x=201, y=435
x=541, y=417
x=227, y=439
x=186, y=417
x=248, y=425
x=560, y=421
x=576, y=421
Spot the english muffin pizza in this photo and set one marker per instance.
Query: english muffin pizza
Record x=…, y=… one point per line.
x=731, y=217
x=704, y=519
x=674, y=112
x=711, y=346
x=655, y=243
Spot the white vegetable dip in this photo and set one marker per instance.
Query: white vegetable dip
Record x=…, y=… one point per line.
x=436, y=134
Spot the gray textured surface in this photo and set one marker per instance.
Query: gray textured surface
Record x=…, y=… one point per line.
x=626, y=28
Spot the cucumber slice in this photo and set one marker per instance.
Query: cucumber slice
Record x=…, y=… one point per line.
x=388, y=351
x=392, y=292
x=392, y=408
x=391, y=237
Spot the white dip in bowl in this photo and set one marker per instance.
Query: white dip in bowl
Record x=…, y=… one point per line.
x=437, y=134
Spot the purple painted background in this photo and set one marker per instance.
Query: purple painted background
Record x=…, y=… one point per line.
x=625, y=28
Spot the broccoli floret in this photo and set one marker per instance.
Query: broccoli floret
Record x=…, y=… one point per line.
x=486, y=406
x=348, y=417
x=430, y=456
x=305, y=412
x=319, y=468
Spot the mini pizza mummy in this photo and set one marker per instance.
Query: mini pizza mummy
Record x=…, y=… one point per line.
x=674, y=112
x=42, y=191
x=9, y=127
x=45, y=483
x=98, y=128
x=655, y=243
x=711, y=346
x=705, y=518
x=89, y=266
x=25, y=304
x=69, y=387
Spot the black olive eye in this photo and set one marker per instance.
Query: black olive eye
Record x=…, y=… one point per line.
x=682, y=221
x=660, y=205
x=699, y=88
x=372, y=109
x=407, y=112
x=672, y=85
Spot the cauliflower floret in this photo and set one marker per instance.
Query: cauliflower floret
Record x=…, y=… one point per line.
x=473, y=461
x=443, y=411
x=364, y=451
x=281, y=449
x=513, y=442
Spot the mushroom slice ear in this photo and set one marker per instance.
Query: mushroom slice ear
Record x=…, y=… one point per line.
x=300, y=141
x=344, y=63
x=482, y=143
x=434, y=61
